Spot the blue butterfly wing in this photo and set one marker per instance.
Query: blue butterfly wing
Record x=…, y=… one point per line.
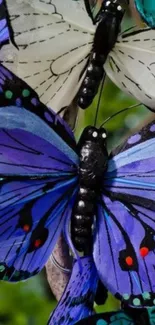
x=124, y=245
x=38, y=170
x=16, y=92
x=28, y=146
x=29, y=231
x=4, y=28
x=78, y=298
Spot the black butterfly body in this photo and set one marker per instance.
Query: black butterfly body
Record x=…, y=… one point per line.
x=108, y=26
x=93, y=163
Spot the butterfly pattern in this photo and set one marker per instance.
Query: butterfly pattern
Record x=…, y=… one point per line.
x=39, y=164
x=56, y=72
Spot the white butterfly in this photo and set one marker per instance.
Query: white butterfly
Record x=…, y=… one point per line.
x=55, y=39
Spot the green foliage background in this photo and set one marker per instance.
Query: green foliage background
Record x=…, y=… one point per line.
x=30, y=302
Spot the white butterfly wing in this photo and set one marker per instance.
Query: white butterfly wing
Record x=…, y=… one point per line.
x=131, y=64
x=51, y=54
x=72, y=11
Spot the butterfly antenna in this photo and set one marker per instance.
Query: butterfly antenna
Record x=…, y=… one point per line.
x=119, y=112
x=99, y=99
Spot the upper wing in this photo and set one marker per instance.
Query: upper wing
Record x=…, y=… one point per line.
x=93, y=8
x=78, y=298
x=124, y=250
x=4, y=28
x=52, y=50
x=130, y=65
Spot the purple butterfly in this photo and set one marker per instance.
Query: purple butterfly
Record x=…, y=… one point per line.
x=39, y=170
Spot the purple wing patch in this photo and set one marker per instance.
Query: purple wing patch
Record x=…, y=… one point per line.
x=4, y=29
x=78, y=298
x=126, y=222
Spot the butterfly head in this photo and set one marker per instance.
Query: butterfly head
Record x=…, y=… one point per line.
x=94, y=135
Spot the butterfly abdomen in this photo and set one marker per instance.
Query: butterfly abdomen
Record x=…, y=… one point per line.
x=93, y=162
x=107, y=30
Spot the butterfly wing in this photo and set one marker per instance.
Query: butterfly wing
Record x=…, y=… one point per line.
x=4, y=29
x=78, y=298
x=15, y=92
x=130, y=65
x=125, y=238
x=93, y=8
x=112, y=318
x=51, y=49
x=38, y=179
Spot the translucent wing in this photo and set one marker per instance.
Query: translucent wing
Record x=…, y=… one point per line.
x=52, y=50
x=130, y=65
x=124, y=248
x=78, y=298
x=93, y=8
x=4, y=29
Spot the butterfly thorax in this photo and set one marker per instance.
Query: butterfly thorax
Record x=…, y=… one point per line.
x=107, y=29
x=108, y=26
x=93, y=163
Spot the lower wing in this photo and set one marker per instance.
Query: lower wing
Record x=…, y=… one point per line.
x=78, y=298
x=32, y=215
x=124, y=248
x=111, y=318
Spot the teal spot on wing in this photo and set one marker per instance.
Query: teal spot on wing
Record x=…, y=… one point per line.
x=136, y=302
x=146, y=295
x=101, y=322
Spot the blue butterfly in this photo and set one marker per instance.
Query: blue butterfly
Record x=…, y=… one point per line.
x=39, y=175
